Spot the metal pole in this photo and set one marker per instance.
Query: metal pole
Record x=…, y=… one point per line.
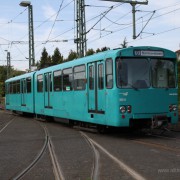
x=31, y=38
x=133, y=3
x=81, y=28
x=134, y=20
x=8, y=64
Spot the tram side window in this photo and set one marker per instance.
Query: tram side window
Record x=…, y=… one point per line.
x=28, y=80
x=50, y=82
x=67, y=79
x=14, y=87
x=23, y=86
x=79, y=78
x=109, y=73
x=40, y=83
x=17, y=87
x=58, y=80
x=11, y=87
x=100, y=76
x=91, y=77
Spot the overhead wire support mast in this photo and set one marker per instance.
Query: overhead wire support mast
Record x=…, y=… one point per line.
x=81, y=40
x=31, y=33
x=8, y=64
x=133, y=4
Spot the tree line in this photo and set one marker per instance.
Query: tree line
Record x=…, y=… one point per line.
x=3, y=77
x=57, y=58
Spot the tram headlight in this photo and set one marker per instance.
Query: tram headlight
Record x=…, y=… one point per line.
x=174, y=107
x=122, y=109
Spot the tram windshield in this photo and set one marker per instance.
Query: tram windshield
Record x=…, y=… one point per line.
x=142, y=73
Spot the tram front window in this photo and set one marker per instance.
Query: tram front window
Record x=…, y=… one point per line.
x=163, y=74
x=133, y=73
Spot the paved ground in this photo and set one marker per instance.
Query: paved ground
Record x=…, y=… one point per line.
x=175, y=127
x=20, y=142
x=85, y=155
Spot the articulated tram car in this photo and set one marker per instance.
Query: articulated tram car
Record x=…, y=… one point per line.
x=135, y=86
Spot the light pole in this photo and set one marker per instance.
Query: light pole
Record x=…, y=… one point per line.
x=31, y=33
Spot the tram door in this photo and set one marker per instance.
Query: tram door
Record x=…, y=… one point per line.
x=23, y=92
x=48, y=90
x=96, y=91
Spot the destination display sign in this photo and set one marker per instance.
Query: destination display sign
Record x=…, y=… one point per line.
x=148, y=53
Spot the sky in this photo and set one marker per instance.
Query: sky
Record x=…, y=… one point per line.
x=157, y=24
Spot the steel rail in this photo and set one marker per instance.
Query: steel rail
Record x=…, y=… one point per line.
x=1, y=130
x=34, y=162
x=95, y=169
x=122, y=165
x=56, y=167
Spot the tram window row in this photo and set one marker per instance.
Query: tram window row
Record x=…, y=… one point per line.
x=66, y=80
x=16, y=87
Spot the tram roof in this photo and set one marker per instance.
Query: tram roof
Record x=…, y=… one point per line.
x=97, y=57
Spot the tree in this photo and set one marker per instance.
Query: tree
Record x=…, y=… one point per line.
x=57, y=58
x=72, y=55
x=45, y=60
x=105, y=49
x=124, y=44
x=3, y=77
x=102, y=49
x=16, y=72
x=98, y=50
x=90, y=52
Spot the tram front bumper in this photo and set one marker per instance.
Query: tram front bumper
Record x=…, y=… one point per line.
x=153, y=120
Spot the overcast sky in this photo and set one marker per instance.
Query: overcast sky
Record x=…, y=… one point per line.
x=160, y=18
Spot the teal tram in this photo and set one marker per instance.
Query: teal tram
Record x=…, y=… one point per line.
x=130, y=87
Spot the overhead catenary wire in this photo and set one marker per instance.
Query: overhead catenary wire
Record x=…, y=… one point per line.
x=124, y=24
x=120, y=27
x=47, y=20
x=60, y=7
x=50, y=40
x=12, y=20
x=130, y=25
x=156, y=34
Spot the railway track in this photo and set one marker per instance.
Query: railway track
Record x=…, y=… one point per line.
x=56, y=167
x=4, y=124
x=95, y=169
x=48, y=145
x=131, y=172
